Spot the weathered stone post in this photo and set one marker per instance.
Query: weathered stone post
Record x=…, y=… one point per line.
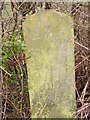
x=50, y=43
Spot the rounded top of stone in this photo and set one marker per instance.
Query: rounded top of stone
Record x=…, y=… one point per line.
x=48, y=14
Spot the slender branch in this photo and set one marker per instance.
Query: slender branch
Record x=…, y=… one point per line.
x=5, y=71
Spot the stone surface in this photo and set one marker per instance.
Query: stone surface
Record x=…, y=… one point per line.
x=50, y=43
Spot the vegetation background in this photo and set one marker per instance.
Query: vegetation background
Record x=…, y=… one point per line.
x=13, y=71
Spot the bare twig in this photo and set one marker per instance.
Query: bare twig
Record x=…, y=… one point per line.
x=5, y=71
x=81, y=45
